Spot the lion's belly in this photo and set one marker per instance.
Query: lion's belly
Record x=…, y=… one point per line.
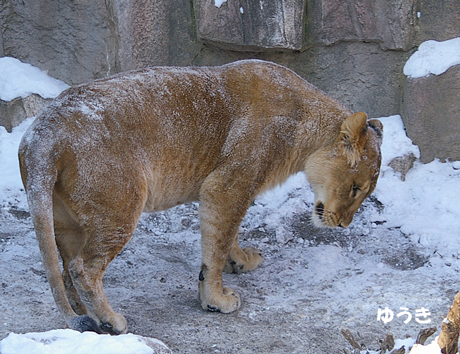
x=171, y=186
x=164, y=198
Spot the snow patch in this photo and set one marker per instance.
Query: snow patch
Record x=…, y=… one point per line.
x=218, y=3
x=66, y=341
x=433, y=57
x=395, y=141
x=21, y=80
x=11, y=189
x=432, y=348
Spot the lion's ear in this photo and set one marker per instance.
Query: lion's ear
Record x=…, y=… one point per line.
x=353, y=136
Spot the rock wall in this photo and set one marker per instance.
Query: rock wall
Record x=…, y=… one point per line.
x=252, y=25
x=390, y=23
x=431, y=111
x=352, y=49
x=73, y=40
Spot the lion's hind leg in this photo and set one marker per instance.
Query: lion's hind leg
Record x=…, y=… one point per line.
x=89, y=239
x=79, y=275
x=106, y=239
x=70, y=240
x=86, y=273
x=242, y=260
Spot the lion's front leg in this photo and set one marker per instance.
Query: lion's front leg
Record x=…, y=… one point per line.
x=242, y=260
x=216, y=245
x=223, y=203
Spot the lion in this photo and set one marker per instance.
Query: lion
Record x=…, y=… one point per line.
x=147, y=140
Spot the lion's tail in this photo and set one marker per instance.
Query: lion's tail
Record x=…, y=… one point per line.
x=39, y=176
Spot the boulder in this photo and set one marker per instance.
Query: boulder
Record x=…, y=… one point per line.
x=74, y=41
x=431, y=114
x=15, y=111
x=153, y=32
x=391, y=23
x=261, y=25
x=402, y=164
x=251, y=25
x=437, y=19
x=360, y=75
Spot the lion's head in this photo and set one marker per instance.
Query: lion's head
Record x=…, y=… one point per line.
x=346, y=172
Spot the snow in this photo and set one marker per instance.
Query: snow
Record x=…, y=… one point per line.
x=63, y=341
x=20, y=80
x=433, y=57
x=10, y=183
x=424, y=207
x=395, y=142
x=412, y=348
x=432, y=348
x=218, y=3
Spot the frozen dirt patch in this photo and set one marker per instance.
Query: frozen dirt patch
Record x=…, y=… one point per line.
x=305, y=292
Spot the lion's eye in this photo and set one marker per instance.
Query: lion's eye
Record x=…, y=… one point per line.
x=355, y=190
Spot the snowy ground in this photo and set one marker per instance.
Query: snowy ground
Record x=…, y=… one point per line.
x=401, y=253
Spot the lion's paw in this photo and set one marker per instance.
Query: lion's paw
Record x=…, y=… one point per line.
x=227, y=302
x=248, y=260
x=116, y=325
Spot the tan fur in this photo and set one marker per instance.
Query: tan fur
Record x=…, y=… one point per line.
x=147, y=140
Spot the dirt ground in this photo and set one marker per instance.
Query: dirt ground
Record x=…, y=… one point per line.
x=310, y=286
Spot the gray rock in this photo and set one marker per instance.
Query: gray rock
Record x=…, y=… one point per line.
x=14, y=112
x=154, y=32
x=11, y=113
x=439, y=20
x=390, y=23
x=72, y=40
x=431, y=114
x=358, y=74
x=79, y=41
x=252, y=25
x=403, y=164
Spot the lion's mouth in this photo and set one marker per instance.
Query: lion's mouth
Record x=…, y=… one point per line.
x=319, y=216
x=327, y=218
x=324, y=217
x=319, y=210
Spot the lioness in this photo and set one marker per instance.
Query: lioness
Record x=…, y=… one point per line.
x=147, y=140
